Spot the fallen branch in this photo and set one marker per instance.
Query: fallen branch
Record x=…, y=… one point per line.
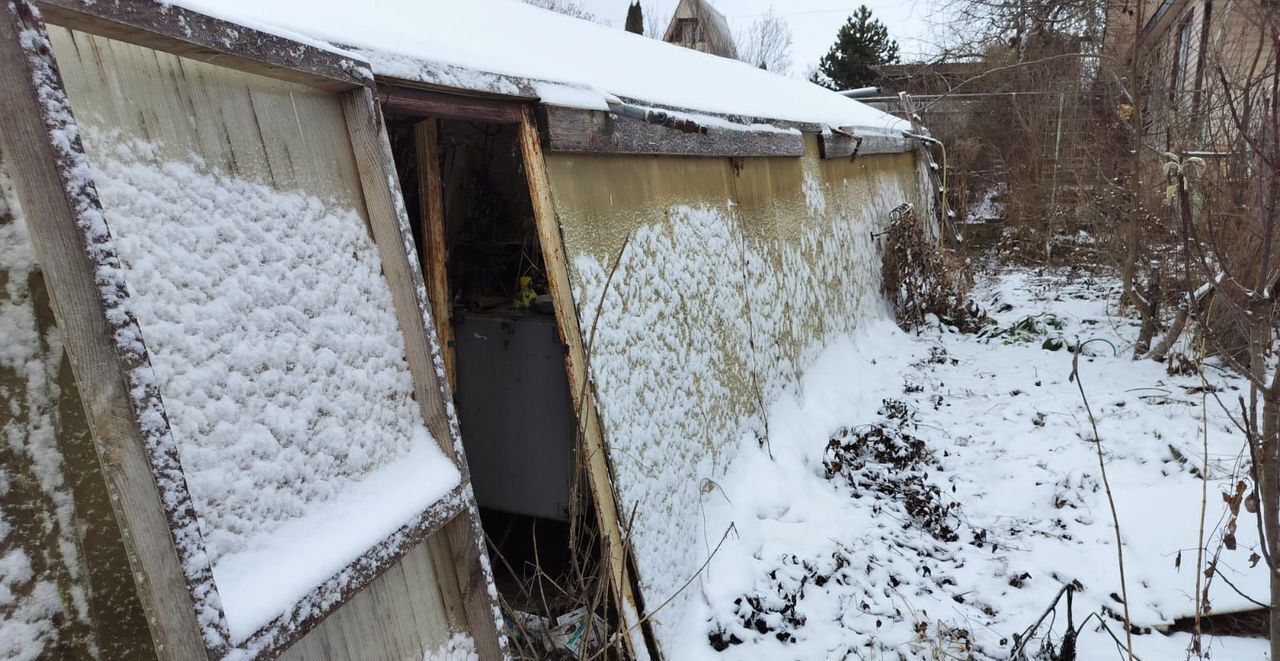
x=1020, y=642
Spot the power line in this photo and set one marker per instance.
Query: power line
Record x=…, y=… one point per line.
x=771, y=13
x=792, y=13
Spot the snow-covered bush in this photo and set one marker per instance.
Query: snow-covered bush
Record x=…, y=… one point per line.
x=921, y=280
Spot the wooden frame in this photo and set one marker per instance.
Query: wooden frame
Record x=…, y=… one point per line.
x=201, y=37
x=435, y=255
x=429, y=108
x=109, y=358
x=596, y=132
x=390, y=225
x=846, y=142
x=423, y=103
x=435, y=244
x=592, y=448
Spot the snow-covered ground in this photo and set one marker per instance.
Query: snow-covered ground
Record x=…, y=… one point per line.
x=955, y=529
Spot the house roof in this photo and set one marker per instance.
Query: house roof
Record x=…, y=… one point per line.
x=510, y=48
x=717, y=28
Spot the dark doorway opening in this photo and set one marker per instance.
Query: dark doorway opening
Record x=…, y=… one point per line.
x=467, y=197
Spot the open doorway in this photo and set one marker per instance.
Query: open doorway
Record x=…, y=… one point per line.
x=467, y=195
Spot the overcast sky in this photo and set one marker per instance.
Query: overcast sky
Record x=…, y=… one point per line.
x=814, y=23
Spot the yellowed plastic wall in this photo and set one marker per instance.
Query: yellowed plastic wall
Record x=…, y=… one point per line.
x=734, y=275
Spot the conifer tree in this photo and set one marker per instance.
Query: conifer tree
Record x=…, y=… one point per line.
x=862, y=42
x=635, y=18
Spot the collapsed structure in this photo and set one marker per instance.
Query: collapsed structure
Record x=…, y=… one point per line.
x=255, y=255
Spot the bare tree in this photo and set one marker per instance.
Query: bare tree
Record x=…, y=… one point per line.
x=766, y=43
x=1017, y=24
x=1228, y=207
x=655, y=22
x=566, y=7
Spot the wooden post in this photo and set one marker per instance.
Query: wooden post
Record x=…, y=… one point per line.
x=389, y=223
x=435, y=250
x=592, y=450
x=92, y=309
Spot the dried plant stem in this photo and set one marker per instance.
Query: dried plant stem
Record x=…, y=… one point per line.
x=761, y=408
x=1111, y=501
x=648, y=616
x=1196, y=647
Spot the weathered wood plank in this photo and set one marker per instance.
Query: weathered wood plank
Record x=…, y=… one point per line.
x=101, y=337
x=595, y=132
x=423, y=103
x=435, y=249
x=200, y=37
x=844, y=143
x=419, y=571
x=444, y=78
x=803, y=127
x=390, y=226
x=592, y=449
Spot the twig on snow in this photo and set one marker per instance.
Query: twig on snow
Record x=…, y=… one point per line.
x=1029, y=632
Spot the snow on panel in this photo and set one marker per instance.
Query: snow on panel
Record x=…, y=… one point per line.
x=232, y=203
x=711, y=314
x=481, y=44
x=282, y=366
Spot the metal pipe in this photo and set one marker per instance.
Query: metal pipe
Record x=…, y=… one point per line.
x=860, y=92
x=922, y=138
x=659, y=117
x=961, y=95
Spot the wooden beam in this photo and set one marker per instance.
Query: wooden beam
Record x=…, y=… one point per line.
x=803, y=127
x=173, y=29
x=435, y=250
x=101, y=337
x=444, y=78
x=389, y=223
x=843, y=144
x=596, y=132
x=592, y=449
x=422, y=103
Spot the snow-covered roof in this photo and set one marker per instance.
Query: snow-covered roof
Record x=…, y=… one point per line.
x=508, y=47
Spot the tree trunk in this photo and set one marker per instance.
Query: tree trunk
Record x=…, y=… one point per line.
x=1149, y=311
x=1270, y=490
x=1133, y=235
x=1268, y=430
x=1159, y=353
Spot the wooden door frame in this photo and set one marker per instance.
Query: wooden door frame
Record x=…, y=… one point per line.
x=429, y=107
x=637, y=634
